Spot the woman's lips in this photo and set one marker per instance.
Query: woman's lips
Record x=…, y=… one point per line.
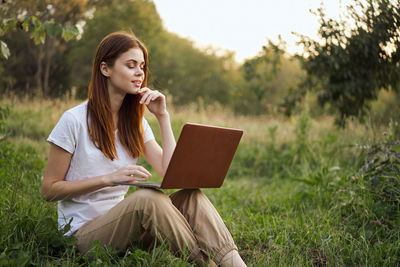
x=137, y=83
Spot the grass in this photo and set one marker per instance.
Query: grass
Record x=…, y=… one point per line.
x=294, y=195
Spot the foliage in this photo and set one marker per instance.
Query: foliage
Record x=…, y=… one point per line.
x=298, y=159
x=139, y=17
x=176, y=66
x=351, y=64
x=4, y=112
x=32, y=29
x=257, y=73
x=185, y=73
x=191, y=75
x=265, y=80
x=37, y=30
x=369, y=201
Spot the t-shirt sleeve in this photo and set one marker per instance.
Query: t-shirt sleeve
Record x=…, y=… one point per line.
x=148, y=133
x=65, y=132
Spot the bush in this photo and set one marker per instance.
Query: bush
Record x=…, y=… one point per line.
x=370, y=199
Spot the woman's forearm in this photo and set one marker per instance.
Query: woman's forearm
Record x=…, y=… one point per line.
x=57, y=188
x=168, y=140
x=66, y=189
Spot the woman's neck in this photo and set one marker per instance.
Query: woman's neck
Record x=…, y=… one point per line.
x=116, y=99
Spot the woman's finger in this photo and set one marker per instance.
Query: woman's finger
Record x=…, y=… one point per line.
x=147, y=100
x=139, y=179
x=143, y=170
x=151, y=97
x=131, y=168
x=156, y=96
x=144, y=97
x=144, y=90
x=140, y=174
x=134, y=180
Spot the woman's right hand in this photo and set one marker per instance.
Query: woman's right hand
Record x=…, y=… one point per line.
x=127, y=174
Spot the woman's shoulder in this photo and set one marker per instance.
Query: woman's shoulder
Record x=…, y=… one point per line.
x=79, y=109
x=70, y=125
x=77, y=113
x=74, y=117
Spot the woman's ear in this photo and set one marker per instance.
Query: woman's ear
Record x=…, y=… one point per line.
x=105, y=70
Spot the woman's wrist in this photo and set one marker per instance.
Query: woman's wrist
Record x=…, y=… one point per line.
x=162, y=115
x=106, y=181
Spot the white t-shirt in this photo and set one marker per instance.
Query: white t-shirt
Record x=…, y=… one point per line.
x=71, y=134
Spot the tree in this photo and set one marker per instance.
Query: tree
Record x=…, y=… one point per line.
x=36, y=64
x=137, y=16
x=192, y=75
x=175, y=65
x=351, y=64
x=266, y=79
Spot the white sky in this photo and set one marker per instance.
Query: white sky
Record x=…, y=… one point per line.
x=243, y=26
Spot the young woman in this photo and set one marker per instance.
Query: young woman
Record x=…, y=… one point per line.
x=98, y=142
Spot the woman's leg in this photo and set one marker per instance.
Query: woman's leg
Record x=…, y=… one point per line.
x=210, y=231
x=144, y=211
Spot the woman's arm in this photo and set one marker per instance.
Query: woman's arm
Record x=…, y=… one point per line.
x=54, y=187
x=157, y=157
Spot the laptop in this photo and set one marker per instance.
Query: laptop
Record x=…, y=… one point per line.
x=201, y=158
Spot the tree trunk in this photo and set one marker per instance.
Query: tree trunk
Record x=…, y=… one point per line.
x=38, y=75
x=49, y=54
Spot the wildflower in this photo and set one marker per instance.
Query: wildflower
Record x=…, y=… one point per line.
x=378, y=222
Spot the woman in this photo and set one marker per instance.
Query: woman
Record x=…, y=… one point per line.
x=98, y=142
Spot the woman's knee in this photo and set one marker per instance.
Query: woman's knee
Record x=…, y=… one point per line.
x=183, y=197
x=148, y=196
x=188, y=193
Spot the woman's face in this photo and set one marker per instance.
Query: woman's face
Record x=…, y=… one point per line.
x=127, y=74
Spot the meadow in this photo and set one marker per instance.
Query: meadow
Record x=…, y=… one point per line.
x=300, y=192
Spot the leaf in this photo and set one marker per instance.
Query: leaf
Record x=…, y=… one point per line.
x=53, y=28
x=35, y=22
x=9, y=25
x=39, y=35
x=69, y=32
x=334, y=168
x=5, y=52
x=306, y=181
x=26, y=24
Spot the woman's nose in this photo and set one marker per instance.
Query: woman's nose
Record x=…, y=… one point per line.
x=139, y=72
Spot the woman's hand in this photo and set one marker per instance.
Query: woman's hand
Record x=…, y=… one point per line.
x=127, y=174
x=154, y=100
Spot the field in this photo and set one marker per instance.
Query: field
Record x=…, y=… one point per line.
x=300, y=192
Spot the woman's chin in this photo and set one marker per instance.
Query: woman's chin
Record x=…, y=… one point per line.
x=134, y=91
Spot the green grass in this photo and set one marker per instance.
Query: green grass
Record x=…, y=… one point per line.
x=294, y=195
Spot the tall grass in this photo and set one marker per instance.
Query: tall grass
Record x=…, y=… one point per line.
x=299, y=192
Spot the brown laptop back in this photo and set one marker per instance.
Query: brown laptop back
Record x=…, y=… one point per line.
x=202, y=157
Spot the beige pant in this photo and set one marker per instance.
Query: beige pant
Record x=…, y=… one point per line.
x=185, y=221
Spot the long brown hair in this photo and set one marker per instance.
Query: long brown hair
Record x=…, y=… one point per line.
x=99, y=117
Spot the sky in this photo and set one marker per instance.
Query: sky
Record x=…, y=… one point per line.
x=243, y=26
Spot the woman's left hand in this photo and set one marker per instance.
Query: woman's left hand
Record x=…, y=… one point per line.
x=154, y=100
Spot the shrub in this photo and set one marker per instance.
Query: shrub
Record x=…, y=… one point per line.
x=369, y=201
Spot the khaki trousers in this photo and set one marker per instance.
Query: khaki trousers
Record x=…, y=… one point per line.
x=186, y=221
